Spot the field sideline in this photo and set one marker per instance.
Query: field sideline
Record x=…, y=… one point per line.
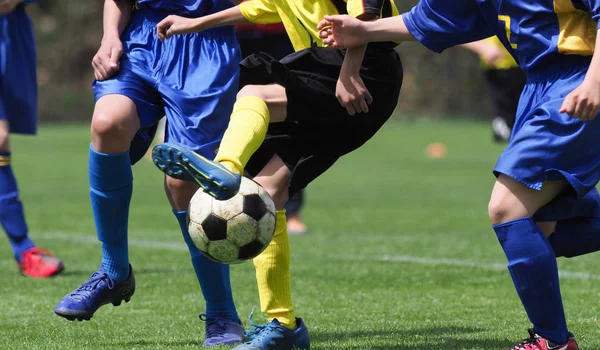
x=401, y=254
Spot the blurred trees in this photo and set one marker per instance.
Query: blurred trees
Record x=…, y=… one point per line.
x=69, y=33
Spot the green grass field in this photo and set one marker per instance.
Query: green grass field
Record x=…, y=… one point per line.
x=401, y=254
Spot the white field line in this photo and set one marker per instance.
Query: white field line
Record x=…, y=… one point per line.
x=407, y=259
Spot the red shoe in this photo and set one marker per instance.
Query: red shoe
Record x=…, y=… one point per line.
x=536, y=342
x=39, y=263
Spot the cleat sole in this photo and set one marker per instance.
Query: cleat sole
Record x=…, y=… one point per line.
x=177, y=164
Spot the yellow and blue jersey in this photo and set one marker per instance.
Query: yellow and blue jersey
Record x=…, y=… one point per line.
x=186, y=8
x=536, y=33
x=300, y=17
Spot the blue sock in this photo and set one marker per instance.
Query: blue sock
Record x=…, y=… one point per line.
x=575, y=237
x=532, y=266
x=12, y=216
x=111, y=186
x=212, y=276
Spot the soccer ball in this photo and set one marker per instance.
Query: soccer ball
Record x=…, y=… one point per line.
x=234, y=230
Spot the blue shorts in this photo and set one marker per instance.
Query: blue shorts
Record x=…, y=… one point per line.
x=18, y=82
x=547, y=145
x=192, y=79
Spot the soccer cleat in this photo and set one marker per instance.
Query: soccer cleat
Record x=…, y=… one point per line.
x=537, y=342
x=274, y=336
x=39, y=263
x=186, y=165
x=222, y=331
x=99, y=290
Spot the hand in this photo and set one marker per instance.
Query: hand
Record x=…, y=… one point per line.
x=106, y=60
x=172, y=25
x=492, y=54
x=8, y=6
x=352, y=93
x=342, y=31
x=583, y=102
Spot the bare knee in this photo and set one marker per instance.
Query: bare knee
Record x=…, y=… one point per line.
x=500, y=211
x=274, y=96
x=114, y=124
x=252, y=90
x=179, y=192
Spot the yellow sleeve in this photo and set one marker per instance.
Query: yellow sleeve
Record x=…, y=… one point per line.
x=357, y=8
x=260, y=11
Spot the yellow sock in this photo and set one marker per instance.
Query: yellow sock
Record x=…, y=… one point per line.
x=245, y=133
x=273, y=276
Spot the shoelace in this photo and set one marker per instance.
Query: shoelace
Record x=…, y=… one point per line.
x=215, y=325
x=528, y=343
x=256, y=328
x=97, y=277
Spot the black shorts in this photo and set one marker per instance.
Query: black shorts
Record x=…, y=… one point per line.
x=318, y=130
x=505, y=87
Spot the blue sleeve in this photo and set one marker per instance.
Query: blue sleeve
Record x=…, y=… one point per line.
x=592, y=6
x=440, y=24
x=27, y=2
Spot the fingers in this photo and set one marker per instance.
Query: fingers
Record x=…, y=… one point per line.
x=323, y=24
x=325, y=33
x=368, y=97
x=162, y=27
x=363, y=106
x=99, y=71
x=115, y=55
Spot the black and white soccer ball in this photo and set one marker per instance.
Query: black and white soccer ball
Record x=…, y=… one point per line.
x=234, y=230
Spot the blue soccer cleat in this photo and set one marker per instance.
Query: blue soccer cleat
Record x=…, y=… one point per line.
x=222, y=331
x=186, y=165
x=274, y=336
x=99, y=290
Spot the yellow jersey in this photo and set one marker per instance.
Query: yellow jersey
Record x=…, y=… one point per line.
x=300, y=17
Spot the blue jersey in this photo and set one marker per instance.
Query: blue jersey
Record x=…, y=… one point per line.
x=537, y=33
x=186, y=8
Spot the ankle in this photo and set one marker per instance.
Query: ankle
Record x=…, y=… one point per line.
x=232, y=167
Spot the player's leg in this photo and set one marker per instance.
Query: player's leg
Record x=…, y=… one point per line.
x=32, y=261
x=575, y=229
x=114, y=125
x=292, y=209
x=255, y=108
x=196, y=121
x=18, y=113
x=531, y=260
x=223, y=326
x=284, y=331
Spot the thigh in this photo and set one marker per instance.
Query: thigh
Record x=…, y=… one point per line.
x=547, y=145
x=511, y=200
x=199, y=89
x=129, y=98
x=18, y=83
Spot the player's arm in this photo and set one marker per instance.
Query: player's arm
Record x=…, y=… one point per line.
x=117, y=14
x=250, y=11
x=343, y=31
x=584, y=101
x=351, y=91
x=437, y=24
x=488, y=52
